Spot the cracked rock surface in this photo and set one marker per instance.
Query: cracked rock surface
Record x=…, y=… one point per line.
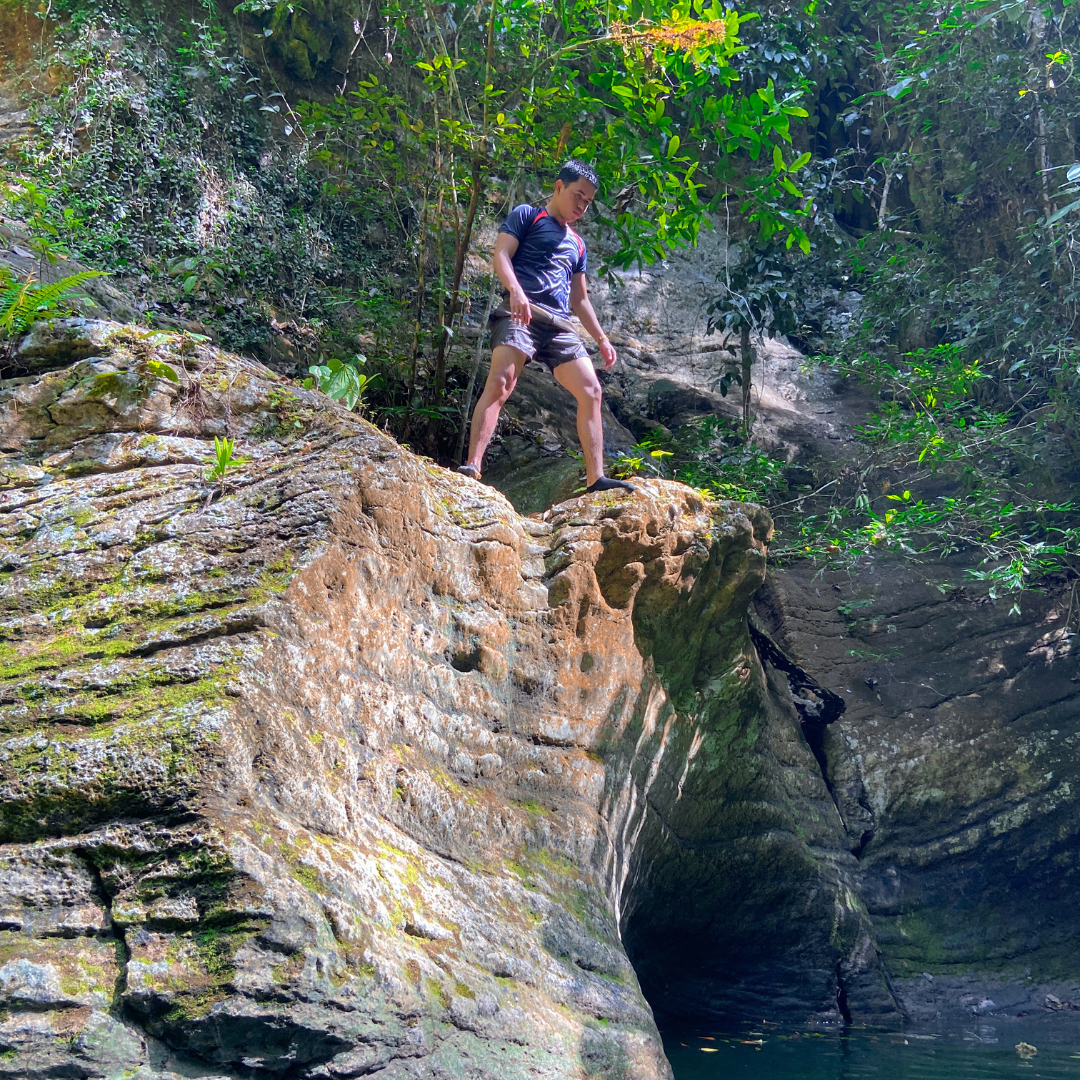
x=954, y=768
x=338, y=765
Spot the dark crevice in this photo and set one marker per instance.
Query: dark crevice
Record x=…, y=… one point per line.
x=123, y=953
x=466, y=660
x=814, y=734
x=817, y=706
x=538, y=739
x=229, y=630
x=815, y=703
x=841, y=997
x=219, y=603
x=860, y=847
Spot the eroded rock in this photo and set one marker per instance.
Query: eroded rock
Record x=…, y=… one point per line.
x=954, y=770
x=340, y=764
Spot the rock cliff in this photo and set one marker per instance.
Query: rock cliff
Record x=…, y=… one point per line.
x=953, y=767
x=339, y=765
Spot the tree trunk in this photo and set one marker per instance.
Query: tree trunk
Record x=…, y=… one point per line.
x=1037, y=27
x=416, y=320
x=746, y=353
x=455, y=299
x=466, y=407
x=459, y=269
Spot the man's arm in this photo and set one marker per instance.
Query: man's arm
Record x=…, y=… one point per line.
x=505, y=246
x=581, y=306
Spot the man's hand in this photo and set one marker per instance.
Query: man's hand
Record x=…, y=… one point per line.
x=519, y=307
x=607, y=352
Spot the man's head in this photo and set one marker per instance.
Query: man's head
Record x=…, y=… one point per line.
x=575, y=188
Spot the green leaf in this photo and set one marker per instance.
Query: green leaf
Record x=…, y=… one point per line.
x=1057, y=215
x=777, y=159
x=162, y=370
x=673, y=146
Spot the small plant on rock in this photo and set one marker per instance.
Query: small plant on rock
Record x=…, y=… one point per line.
x=343, y=381
x=23, y=303
x=223, y=461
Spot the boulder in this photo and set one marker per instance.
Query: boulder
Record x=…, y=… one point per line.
x=336, y=764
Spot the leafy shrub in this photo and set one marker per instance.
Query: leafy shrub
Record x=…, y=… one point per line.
x=342, y=381
x=708, y=454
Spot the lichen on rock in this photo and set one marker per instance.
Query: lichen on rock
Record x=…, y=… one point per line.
x=340, y=764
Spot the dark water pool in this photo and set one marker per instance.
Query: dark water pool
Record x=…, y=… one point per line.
x=772, y=1053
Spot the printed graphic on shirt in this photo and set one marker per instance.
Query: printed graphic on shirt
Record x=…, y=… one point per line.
x=547, y=258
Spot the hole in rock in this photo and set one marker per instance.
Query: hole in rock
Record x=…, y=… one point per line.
x=841, y=998
x=466, y=660
x=583, y=617
x=618, y=573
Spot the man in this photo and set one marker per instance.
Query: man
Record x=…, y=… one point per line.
x=541, y=261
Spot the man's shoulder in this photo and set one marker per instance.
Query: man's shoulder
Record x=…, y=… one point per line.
x=526, y=212
x=519, y=221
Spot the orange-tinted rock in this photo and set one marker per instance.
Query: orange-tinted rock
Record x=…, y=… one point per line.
x=359, y=765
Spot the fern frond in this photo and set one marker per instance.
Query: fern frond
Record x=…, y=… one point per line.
x=24, y=304
x=13, y=300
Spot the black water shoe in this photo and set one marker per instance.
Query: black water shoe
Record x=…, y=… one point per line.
x=605, y=483
x=471, y=471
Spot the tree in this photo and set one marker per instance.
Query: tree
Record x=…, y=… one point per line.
x=647, y=93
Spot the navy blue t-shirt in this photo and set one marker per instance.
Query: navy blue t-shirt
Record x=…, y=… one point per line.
x=547, y=258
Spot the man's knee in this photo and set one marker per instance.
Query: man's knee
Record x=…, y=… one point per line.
x=502, y=385
x=590, y=393
x=506, y=362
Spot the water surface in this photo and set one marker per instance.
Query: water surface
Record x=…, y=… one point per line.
x=982, y=1052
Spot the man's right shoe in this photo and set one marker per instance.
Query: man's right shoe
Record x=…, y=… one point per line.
x=470, y=471
x=606, y=483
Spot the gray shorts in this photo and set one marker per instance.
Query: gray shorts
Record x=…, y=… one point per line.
x=548, y=344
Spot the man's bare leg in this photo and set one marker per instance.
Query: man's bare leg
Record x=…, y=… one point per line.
x=506, y=365
x=580, y=379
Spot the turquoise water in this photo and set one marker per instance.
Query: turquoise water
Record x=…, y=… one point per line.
x=771, y=1053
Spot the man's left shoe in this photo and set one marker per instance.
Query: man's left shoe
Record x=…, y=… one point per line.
x=605, y=483
x=470, y=471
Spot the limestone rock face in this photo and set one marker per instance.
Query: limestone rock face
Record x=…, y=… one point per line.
x=338, y=765
x=954, y=768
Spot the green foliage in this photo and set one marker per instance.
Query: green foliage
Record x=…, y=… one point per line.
x=931, y=430
x=488, y=106
x=31, y=202
x=947, y=206
x=159, y=369
x=710, y=455
x=182, y=158
x=24, y=303
x=158, y=164
x=223, y=460
x=340, y=380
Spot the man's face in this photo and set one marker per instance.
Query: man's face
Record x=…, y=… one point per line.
x=574, y=198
